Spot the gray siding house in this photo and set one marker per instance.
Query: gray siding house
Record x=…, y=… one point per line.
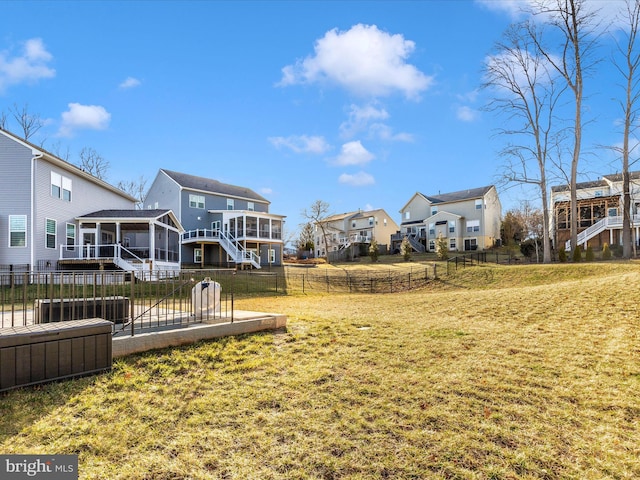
x=225, y=225
x=42, y=198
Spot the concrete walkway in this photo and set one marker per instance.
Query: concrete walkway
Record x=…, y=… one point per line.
x=243, y=322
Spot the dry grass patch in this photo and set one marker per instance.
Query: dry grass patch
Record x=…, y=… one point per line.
x=501, y=380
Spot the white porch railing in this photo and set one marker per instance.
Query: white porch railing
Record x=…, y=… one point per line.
x=125, y=258
x=234, y=249
x=607, y=223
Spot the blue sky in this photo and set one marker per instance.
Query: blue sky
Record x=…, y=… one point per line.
x=360, y=104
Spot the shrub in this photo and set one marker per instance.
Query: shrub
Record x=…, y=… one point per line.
x=616, y=250
x=577, y=254
x=606, y=252
x=589, y=257
x=562, y=254
x=528, y=247
x=405, y=249
x=373, y=251
x=442, y=249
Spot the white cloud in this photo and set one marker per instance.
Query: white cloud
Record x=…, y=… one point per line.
x=513, y=8
x=130, y=82
x=384, y=132
x=360, y=117
x=364, y=60
x=80, y=117
x=301, y=143
x=353, y=153
x=266, y=191
x=606, y=12
x=466, y=114
x=359, y=179
x=29, y=67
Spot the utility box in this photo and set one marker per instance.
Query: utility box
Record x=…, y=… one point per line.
x=113, y=308
x=205, y=299
x=52, y=351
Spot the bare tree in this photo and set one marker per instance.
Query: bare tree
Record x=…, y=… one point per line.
x=526, y=93
x=30, y=123
x=136, y=188
x=534, y=224
x=3, y=120
x=317, y=214
x=628, y=66
x=94, y=163
x=56, y=149
x=576, y=27
x=305, y=238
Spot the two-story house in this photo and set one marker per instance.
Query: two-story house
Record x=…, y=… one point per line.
x=600, y=211
x=48, y=214
x=225, y=225
x=354, y=229
x=468, y=220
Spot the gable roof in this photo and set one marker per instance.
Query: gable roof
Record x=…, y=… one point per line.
x=460, y=195
x=208, y=185
x=132, y=215
x=124, y=213
x=38, y=151
x=605, y=181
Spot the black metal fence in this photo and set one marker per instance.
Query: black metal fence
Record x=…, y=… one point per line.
x=132, y=302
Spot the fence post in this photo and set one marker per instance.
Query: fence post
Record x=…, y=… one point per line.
x=435, y=270
x=131, y=301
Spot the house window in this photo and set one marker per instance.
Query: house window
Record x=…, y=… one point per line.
x=230, y=204
x=385, y=222
x=613, y=212
x=60, y=187
x=598, y=193
x=272, y=255
x=196, y=201
x=473, y=226
x=432, y=229
x=197, y=255
x=407, y=215
x=215, y=226
x=71, y=234
x=250, y=206
x=66, y=189
x=432, y=245
x=434, y=210
x=50, y=233
x=470, y=244
x=452, y=244
x=370, y=221
x=452, y=226
x=17, y=230
x=479, y=204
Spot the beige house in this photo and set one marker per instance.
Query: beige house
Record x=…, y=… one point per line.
x=353, y=232
x=468, y=220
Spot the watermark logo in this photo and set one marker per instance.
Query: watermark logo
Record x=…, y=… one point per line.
x=39, y=467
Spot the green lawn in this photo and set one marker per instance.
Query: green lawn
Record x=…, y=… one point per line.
x=528, y=372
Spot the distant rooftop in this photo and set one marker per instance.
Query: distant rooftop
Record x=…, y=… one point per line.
x=458, y=196
x=194, y=182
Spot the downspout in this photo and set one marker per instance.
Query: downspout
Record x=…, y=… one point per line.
x=32, y=252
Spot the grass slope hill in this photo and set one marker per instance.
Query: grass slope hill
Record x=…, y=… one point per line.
x=496, y=373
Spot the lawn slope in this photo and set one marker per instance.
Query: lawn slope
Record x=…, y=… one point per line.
x=498, y=372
